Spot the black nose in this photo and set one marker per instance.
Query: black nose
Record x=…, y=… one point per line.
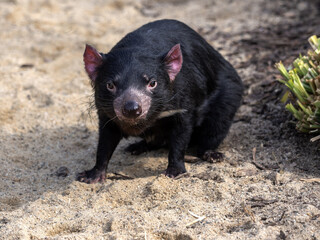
x=131, y=109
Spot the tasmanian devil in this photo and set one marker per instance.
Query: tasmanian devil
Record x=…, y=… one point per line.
x=165, y=84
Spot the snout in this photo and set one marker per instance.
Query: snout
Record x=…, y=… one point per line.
x=131, y=109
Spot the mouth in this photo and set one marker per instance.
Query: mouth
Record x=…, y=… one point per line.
x=136, y=126
x=131, y=121
x=132, y=128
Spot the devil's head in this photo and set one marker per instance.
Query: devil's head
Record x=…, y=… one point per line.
x=131, y=87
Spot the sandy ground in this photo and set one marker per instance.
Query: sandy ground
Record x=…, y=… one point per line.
x=265, y=189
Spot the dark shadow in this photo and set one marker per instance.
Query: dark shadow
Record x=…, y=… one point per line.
x=279, y=145
x=44, y=159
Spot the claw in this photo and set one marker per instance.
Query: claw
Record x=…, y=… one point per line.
x=174, y=172
x=92, y=176
x=212, y=157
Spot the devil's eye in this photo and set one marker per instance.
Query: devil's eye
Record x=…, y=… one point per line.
x=111, y=87
x=152, y=84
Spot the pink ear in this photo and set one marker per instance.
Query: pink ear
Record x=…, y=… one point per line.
x=173, y=61
x=92, y=60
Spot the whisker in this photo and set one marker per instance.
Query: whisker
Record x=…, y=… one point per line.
x=109, y=121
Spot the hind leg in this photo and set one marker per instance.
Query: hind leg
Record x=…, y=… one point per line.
x=216, y=115
x=217, y=119
x=209, y=138
x=211, y=134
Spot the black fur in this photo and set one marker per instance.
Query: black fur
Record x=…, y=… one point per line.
x=207, y=88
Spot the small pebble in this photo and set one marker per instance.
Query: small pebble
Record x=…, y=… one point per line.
x=62, y=172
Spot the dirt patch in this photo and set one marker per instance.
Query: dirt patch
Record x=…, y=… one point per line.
x=266, y=188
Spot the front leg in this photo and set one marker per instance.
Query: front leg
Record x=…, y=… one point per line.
x=179, y=140
x=109, y=137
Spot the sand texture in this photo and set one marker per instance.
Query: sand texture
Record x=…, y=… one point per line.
x=267, y=187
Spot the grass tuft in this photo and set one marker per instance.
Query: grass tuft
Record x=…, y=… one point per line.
x=303, y=81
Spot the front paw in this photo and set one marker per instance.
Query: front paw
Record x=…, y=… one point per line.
x=92, y=176
x=173, y=172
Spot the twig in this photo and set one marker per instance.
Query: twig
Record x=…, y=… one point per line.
x=315, y=138
x=254, y=150
x=259, y=166
x=248, y=211
x=199, y=218
x=191, y=159
x=263, y=202
x=194, y=215
x=183, y=175
x=282, y=215
x=310, y=179
x=121, y=175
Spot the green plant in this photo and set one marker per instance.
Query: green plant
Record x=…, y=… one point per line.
x=303, y=80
